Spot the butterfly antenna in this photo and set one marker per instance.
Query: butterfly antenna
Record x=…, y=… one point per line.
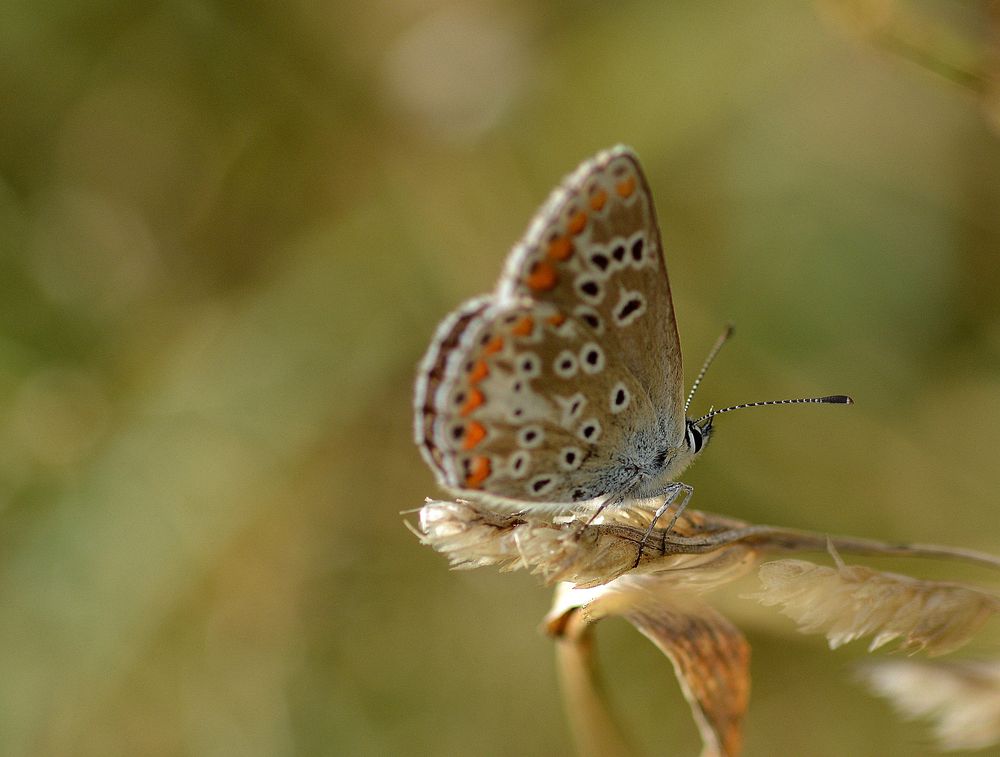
x=712, y=353
x=833, y=399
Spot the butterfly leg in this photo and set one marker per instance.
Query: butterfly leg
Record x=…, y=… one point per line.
x=612, y=501
x=672, y=493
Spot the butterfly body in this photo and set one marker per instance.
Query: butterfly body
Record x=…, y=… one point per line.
x=565, y=385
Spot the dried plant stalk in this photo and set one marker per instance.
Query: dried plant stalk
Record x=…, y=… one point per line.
x=569, y=550
x=594, y=730
x=658, y=596
x=602, y=572
x=587, y=554
x=710, y=657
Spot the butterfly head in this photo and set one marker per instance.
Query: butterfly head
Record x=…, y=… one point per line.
x=696, y=436
x=672, y=461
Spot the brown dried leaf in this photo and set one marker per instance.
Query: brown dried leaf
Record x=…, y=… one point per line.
x=709, y=655
x=962, y=699
x=847, y=602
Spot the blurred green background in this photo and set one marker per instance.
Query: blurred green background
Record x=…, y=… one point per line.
x=227, y=232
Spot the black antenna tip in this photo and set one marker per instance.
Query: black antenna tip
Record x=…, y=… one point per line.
x=837, y=399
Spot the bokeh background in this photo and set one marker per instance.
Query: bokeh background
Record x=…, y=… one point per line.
x=227, y=232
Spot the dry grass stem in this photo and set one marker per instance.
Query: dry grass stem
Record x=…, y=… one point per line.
x=594, y=730
x=586, y=555
x=600, y=573
x=568, y=549
x=962, y=699
x=709, y=655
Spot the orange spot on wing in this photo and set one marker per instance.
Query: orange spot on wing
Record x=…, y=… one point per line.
x=524, y=327
x=577, y=222
x=560, y=248
x=479, y=471
x=494, y=345
x=557, y=319
x=627, y=187
x=479, y=371
x=474, y=433
x=541, y=276
x=598, y=199
x=476, y=398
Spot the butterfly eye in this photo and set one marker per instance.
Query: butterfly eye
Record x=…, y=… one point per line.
x=695, y=439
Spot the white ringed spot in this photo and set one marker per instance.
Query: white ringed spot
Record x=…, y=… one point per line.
x=591, y=318
x=530, y=437
x=620, y=397
x=637, y=250
x=618, y=253
x=570, y=458
x=590, y=430
x=565, y=365
x=543, y=483
x=589, y=288
x=631, y=305
x=599, y=261
x=519, y=463
x=592, y=358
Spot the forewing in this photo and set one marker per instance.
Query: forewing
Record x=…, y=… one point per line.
x=594, y=251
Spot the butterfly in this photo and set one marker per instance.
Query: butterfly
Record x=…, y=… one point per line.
x=565, y=385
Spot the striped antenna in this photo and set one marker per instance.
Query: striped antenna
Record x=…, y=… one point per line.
x=723, y=338
x=833, y=399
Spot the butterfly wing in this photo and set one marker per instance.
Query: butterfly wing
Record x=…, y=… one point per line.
x=565, y=384
x=519, y=404
x=595, y=249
